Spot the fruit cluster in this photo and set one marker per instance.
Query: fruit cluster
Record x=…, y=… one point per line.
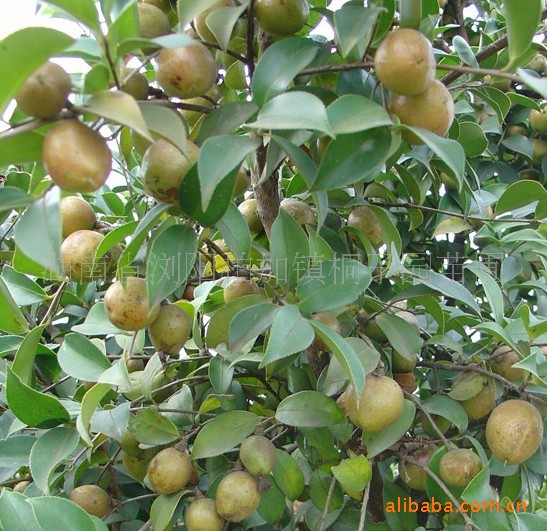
x=405, y=64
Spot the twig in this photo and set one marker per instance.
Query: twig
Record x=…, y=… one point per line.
x=429, y=417
x=442, y=486
x=327, y=504
x=454, y=214
x=364, y=508
x=250, y=60
x=54, y=304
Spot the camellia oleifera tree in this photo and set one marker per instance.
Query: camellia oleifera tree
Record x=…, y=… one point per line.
x=254, y=276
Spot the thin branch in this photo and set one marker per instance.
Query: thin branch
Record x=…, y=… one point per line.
x=250, y=60
x=455, y=214
x=327, y=504
x=364, y=508
x=485, y=71
x=54, y=304
x=479, y=370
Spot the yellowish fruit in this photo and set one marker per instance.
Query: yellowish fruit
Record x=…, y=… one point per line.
x=516, y=129
x=153, y=22
x=405, y=63
x=239, y=287
x=242, y=182
x=539, y=150
x=458, y=467
x=329, y=320
x=76, y=157
x=433, y=110
x=248, y=209
x=169, y=471
x=77, y=252
x=503, y=363
x=202, y=515
x=257, y=453
x=200, y=22
x=171, y=329
x=237, y=496
x=134, y=84
x=282, y=17
x=134, y=365
x=365, y=219
x=414, y=475
x=537, y=64
x=406, y=381
x=481, y=404
x=135, y=465
x=380, y=405
x=45, y=92
x=538, y=121
x=164, y=5
x=76, y=214
x=401, y=364
x=164, y=167
x=92, y=499
x=301, y=212
x=186, y=72
x=21, y=486
x=127, y=308
x=514, y=431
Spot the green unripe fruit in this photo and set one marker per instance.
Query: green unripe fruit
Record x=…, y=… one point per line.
x=282, y=17
x=171, y=329
x=257, y=453
x=202, y=515
x=237, y=496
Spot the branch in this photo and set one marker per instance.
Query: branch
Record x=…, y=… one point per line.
x=364, y=508
x=455, y=214
x=250, y=39
x=321, y=526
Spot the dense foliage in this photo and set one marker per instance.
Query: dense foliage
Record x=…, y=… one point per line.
x=245, y=285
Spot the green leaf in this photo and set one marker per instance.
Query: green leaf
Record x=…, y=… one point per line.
x=539, y=84
x=163, y=509
x=171, y=258
x=331, y=284
x=402, y=336
x=290, y=333
x=219, y=156
x=449, y=151
x=90, y=402
x=15, y=451
x=40, y=228
x=49, y=451
x=147, y=222
x=12, y=320
x=446, y=286
x=21, y=148
x=467, y=386
x=223, y=433
x=352, y=158
x=23, y=264
x=491, y=289
x=115, y=236
x=23, y=364
x=150, y=427
x=35, y=409
x=344, y=353
x=15, y=512
x=23, y=52
x=472, y=139
x=464, y=51
x=377, y=442
x=118, y=107
x=235, y=231
x=289, y=250
x=452, y=226
x=249, y=323
x=83, y=11
x=219, y=326
x=96, y=323
x=81, y=359
x=278, y=66
x=220, y=375
x=190, y=198
x=449, y=409
x=23, y=290
x=309, y=409
x=288, y=475
x=226, y=119
x=293, y=110
x=320, y=487
x=353, y=474
x=520, y=194
x=164, y=122
x=479, y=490
x=60, y=514
x=12, y=197
x=352, y=113
x=188, y=10
x=221, y=22
x=354, y=28
x=521, y=28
